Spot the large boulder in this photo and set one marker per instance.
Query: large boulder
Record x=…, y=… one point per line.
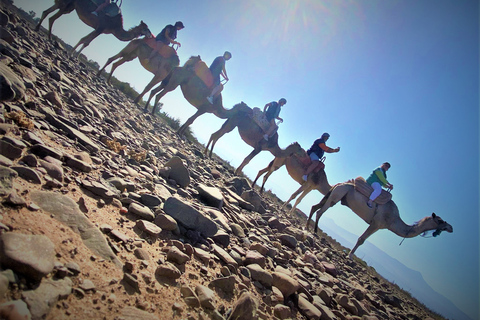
x=189, y=217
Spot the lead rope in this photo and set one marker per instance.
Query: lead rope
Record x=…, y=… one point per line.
x=406, y=235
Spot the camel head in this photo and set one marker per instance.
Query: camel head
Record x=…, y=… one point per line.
x=143, y=30
x=442, y=225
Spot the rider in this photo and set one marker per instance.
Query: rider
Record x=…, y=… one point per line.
x=272, y=112
x=217, y=68
x=101, y=7
x=167, y=36
x=378, y=179
x=316, y=152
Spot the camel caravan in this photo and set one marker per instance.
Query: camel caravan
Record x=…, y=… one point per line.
x=202, y=86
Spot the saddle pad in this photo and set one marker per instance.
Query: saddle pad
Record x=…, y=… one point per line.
x=306, y=161
x=259, y=117
x=164, y=50
x=364, y=188
x=204, y=73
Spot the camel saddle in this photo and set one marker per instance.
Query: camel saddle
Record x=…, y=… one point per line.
x=203, y=72
x=164, y=50
x=111, y=10
x=364, y=188
x=259, y=117
x=306, y=161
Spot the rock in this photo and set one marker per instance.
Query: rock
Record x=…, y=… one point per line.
x=55, y=171
x=131, y=313
x=345, y=302
x=166, y=222
x=261, y=275
x=177, y=256
x=189, y=297
x=11, y=86
x=43, y=298
x=254, y=257
x=330, y=268
x=189, y=217
x=149, y=228
x=78, y=164
x=65, y=210
x=10, y=151
x=141, y=211
x=223, y=255
x=308, y=309
x=141, y=254
x=210, y=195
x=168, y=270
x=3, y=286
x=254, y=198
x=150, y=200
x=14, y=310
x=282, y=312
x=6, y=180
x=206, y=297
x=245, y=308
x=226, y=284
x=286, y=284
x=288, y=240
x=72, y=133
x=31, y=255
x=237, y=230
x=28, y=174
x=178, y=172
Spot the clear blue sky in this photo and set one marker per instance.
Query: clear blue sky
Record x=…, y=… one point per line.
x=393, y=81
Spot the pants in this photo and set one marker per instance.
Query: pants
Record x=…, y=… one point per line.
x=377, y=189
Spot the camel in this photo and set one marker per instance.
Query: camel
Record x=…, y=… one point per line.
x=195, y=92
x=158, y=65
x=252, y=134
x=295, y=168
x=101, y=23
x=381, y=216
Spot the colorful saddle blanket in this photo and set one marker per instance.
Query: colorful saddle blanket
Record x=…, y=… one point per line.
x=204, y=73
x=259, y=117
x=164, y=50
x=364, y=188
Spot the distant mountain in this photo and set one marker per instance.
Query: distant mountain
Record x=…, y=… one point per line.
x=393, y=270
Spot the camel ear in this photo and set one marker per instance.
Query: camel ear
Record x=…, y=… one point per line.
x=433, y=215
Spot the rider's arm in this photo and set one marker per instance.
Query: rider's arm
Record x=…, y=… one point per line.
x=167, y=36
x=381, y=177
x=326, y=149
x=224, y=73
x=266, y=106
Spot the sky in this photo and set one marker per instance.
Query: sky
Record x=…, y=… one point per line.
x=393, y=81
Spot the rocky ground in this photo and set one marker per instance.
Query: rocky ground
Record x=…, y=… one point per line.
x=107, y=214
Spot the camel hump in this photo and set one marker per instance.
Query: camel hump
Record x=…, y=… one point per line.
x=203, y=72
x=364, y=188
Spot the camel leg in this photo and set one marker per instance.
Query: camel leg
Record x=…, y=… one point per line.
x=44, y=15
x=304, y=193
x=370, y=230
x=150, y=96
x=52, y=20
x=293, y=196
x=190, y=121
x=226, y=127
x=156, y=79
x=85, y=41
x=260, y=173
x=114, y=66
x=247, y=159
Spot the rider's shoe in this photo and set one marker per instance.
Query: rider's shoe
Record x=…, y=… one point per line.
x=210, y=99
x=304, y=177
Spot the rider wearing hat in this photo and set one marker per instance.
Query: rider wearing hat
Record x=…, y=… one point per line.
x=316, y=152
x=378, y=179
x=272, y=111
x=167, y=36
x=217, y=68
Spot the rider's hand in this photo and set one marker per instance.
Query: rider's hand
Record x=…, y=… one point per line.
x=390, y=186
x=337, y=149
